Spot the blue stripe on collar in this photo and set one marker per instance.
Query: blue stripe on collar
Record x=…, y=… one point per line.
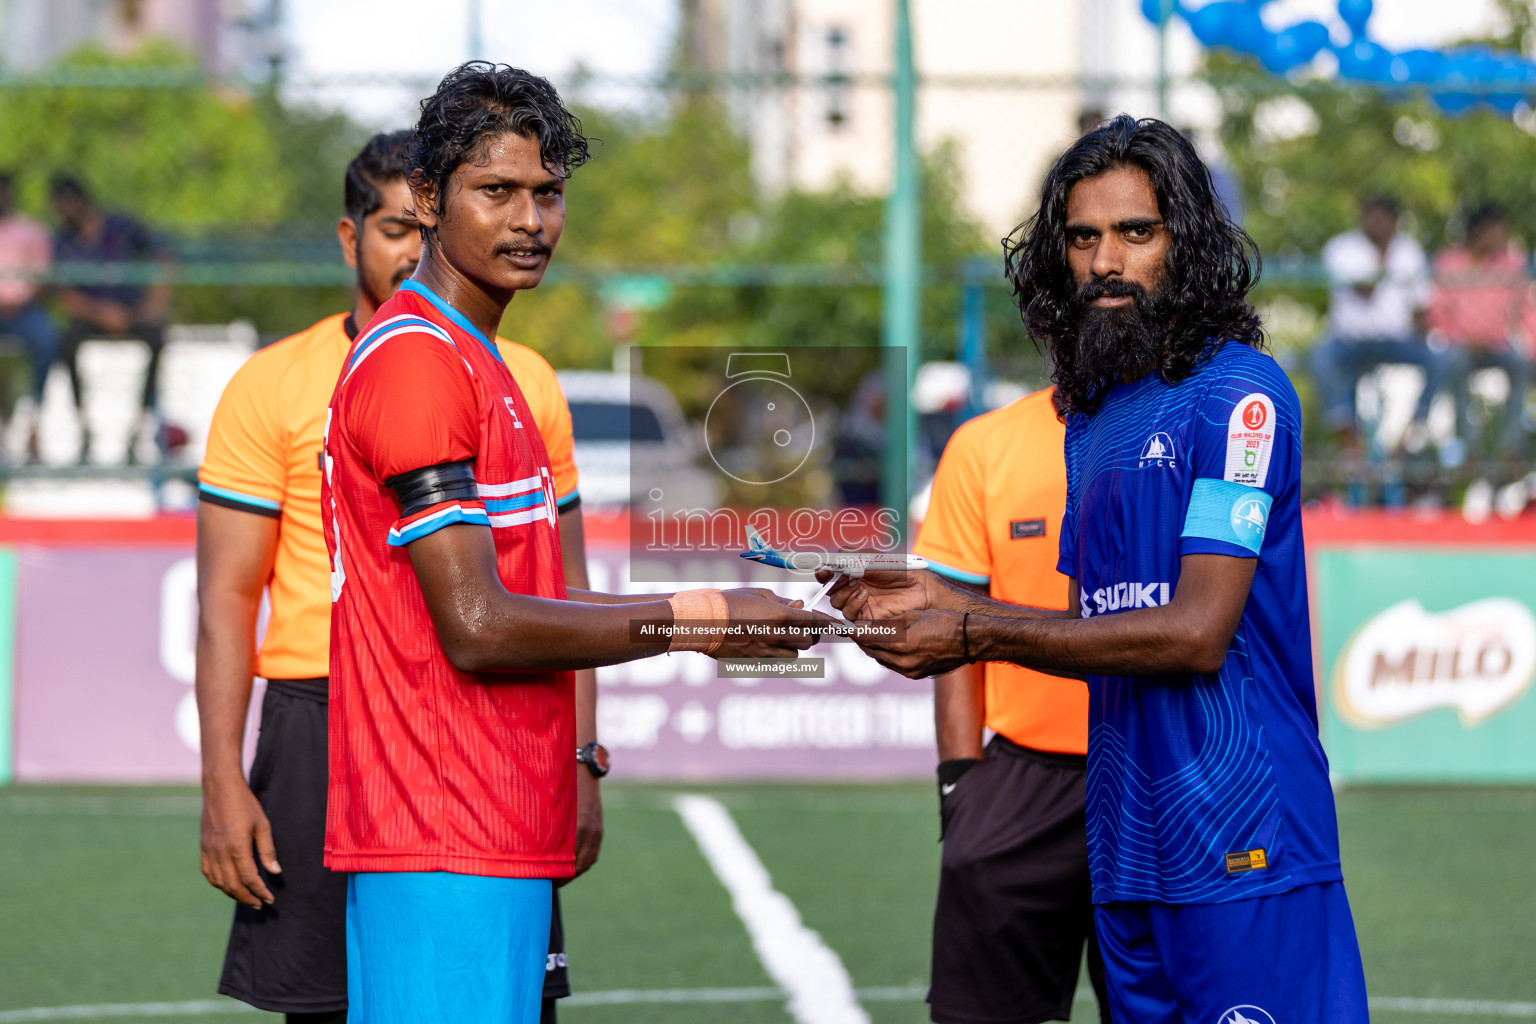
x=448, y=311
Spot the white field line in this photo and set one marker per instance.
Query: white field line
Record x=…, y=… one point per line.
x=795, y=957
x=1465, y=1007
x=631, y=997
x=763, y=994
x=98, y=1010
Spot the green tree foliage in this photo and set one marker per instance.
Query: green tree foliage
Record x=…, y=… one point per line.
x=238, y=176
x=658, y=191
x=1306, y=155
x=679, y=190
x=183, y=156
x=150, y=135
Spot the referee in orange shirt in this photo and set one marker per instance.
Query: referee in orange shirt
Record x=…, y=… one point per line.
x=258, y=528
x=1014, y=906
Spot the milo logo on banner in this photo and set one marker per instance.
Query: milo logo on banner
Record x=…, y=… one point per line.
x=1476, y=659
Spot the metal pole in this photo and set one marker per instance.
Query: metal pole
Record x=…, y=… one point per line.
x=901, y=302
x=274, y=42
x=973, y=332
x=476, y=43
x=1165, y=15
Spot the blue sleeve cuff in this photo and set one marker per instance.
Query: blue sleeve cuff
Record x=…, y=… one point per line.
x=1231, y=515
x=1202, y=546
x=243, y=502
x=566, y=501
x=434, y=521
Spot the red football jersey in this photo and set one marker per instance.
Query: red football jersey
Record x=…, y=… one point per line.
x=433, y=769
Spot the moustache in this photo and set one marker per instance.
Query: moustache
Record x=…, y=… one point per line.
x=532, y=248
x=1110, y=287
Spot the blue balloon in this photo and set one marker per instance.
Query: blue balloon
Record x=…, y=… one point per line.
x=1454, y=103
x=1482, y=67
x=1230, y=24
x=1364, y=61
x=1235, y=24
x=1294, y=46
x=1211, y=23
x=1355, y=13
x=1420, y=67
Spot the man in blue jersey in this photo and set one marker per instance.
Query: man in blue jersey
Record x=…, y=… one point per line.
x=1213, y=844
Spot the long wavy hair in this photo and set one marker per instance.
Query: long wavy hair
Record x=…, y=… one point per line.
x=1211, y=264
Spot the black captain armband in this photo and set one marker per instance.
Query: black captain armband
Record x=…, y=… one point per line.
x=430, y=485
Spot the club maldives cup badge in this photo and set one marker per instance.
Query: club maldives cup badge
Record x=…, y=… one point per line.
x=1477, y=660
x=1250, y=440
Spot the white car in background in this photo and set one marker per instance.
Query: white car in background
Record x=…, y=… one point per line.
x=623, y=425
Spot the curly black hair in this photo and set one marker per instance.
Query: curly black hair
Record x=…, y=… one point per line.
x=478, y=101
x=1212, y=263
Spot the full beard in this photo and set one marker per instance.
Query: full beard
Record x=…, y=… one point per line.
x=1118, y=344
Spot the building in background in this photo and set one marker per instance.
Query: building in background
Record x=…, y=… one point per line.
x=1003, y=81
x=999, y=83
x=227, y=35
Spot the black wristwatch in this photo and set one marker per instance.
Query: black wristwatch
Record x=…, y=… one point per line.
x=595, y=756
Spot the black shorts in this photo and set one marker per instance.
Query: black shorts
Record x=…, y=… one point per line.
x=291, y=957
x=1015, y=904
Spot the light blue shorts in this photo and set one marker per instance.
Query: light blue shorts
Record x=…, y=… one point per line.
x=430, y=947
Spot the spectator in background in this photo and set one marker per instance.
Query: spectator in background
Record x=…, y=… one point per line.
x=1484, y=310
x=1380, y=288
x=107, y=308
x=26, y=253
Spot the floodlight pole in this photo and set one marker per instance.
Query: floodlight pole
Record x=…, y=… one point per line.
x=476, y=41
x=901, y=302
x=1165, y=15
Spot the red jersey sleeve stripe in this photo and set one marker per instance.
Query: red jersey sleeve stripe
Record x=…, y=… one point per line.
x=429, y=520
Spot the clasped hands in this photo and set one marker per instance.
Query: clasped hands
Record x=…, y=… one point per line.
x=928, y=613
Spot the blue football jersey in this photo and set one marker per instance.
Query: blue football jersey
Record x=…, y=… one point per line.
x=1201, y=788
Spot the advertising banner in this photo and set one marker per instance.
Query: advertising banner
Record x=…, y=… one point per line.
x=106, y=659
x=686, y=716
x=1428, y=657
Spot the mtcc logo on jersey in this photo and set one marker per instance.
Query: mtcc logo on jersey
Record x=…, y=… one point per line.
x=1255, y=415
x=1245, y=1015
x=1158, y=451
x=1248, y=517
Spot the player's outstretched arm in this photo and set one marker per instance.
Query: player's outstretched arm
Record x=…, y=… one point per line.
x=1189, y=635
x=485, y=628
x=888, y=594
x=234, y=560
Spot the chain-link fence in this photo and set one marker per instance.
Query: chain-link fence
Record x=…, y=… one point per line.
x=747, y=210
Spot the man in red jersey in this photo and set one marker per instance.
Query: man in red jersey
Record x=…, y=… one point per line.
x=259, y=529
x=452, y=788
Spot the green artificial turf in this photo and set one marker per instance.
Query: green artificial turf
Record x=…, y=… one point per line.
x=101, y=900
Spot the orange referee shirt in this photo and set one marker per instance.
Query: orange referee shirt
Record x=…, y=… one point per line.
x=263, y=457
x=995, y=519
